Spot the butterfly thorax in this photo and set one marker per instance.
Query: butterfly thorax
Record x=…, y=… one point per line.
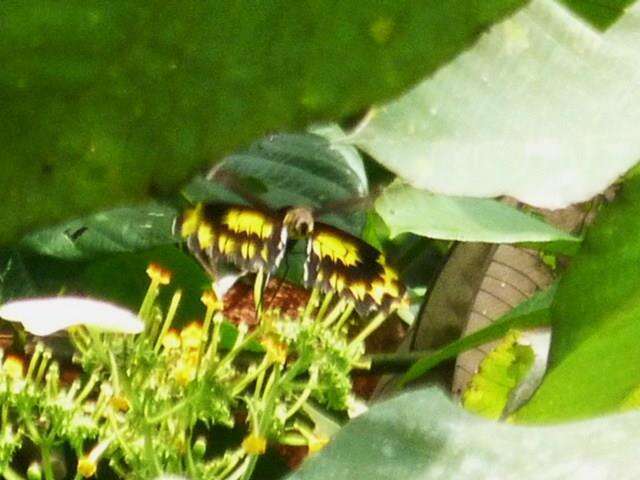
x=299, y=222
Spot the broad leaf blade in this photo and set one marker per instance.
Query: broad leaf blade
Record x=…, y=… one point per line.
x=538, y=109
x=596, y=320
x=111, y=102
x=422, y=435
x=601, y=13
x=291, y=169
x=407, y=209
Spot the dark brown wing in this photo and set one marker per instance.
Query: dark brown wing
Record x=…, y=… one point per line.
x=247, y=237
x=337, y=261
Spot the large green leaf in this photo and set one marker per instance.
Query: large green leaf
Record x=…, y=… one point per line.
x=406, y=209
x=422, y=435
x=538, y=109
x=596, y=320
x=110, y=101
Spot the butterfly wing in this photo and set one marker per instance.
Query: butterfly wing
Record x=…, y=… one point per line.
x=339, y=262
x=247, y=237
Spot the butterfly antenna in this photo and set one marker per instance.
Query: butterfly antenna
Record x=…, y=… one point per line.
x=233, y=182
x=350, y=204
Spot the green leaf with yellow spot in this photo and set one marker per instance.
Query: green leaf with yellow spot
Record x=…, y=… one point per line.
x=499, y=373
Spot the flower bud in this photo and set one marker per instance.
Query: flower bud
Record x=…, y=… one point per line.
x=34, y=472
x=317, y=443
x=87, y=467
x=13, y=367
x=200, y=447
x=192, y=336
x=210, y=299
x=171, y=340
x=120, y=403
x=159, y=274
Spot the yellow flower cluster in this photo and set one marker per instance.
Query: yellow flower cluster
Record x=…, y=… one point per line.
x=188, y=341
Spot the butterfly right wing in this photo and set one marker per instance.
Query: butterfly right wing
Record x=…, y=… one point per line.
x=339, y=262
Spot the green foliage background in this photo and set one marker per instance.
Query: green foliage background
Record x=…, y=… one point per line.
x=111, y=101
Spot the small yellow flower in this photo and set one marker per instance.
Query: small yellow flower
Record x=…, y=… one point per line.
x=210, y=299
x=87, y=467
x=120, y=403
x=13, y=367
x=192, y=336
x=317, y=443
x=254, y=444
x=88, y=464
x=184, y=373
x=171, y=339
x=276, y=350
x=186, y=367
x=159, y=274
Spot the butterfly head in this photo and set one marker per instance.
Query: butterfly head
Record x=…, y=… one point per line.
x=299, y=221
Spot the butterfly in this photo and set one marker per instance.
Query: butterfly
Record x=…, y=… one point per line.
x=255, y=239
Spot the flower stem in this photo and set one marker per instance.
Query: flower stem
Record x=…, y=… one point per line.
x=344, y=317
x=47, y=468
x=148, y=301
x=335, y=313
x=325, y=306
x=173, y=308
x=366, y=331
x=10, y=474
x=311, y=303
x=250, y=377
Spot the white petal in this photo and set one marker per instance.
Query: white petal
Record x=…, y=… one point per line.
x=44, y=316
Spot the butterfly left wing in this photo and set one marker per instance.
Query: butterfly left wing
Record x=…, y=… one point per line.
x=249, y=238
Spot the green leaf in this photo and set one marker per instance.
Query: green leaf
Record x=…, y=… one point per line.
x=596, y=320
x=461, y=218
x=15, y=279
x=127, y=229
x=538, y=109
x=422, y=435
x=111, y=102
x=122, y=278
x=534, y=312
x=498, y=375
x=292, y=169
x=601, y=13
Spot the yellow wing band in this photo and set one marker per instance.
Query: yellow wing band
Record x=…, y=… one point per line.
x=337, y=249
x=249, y=222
